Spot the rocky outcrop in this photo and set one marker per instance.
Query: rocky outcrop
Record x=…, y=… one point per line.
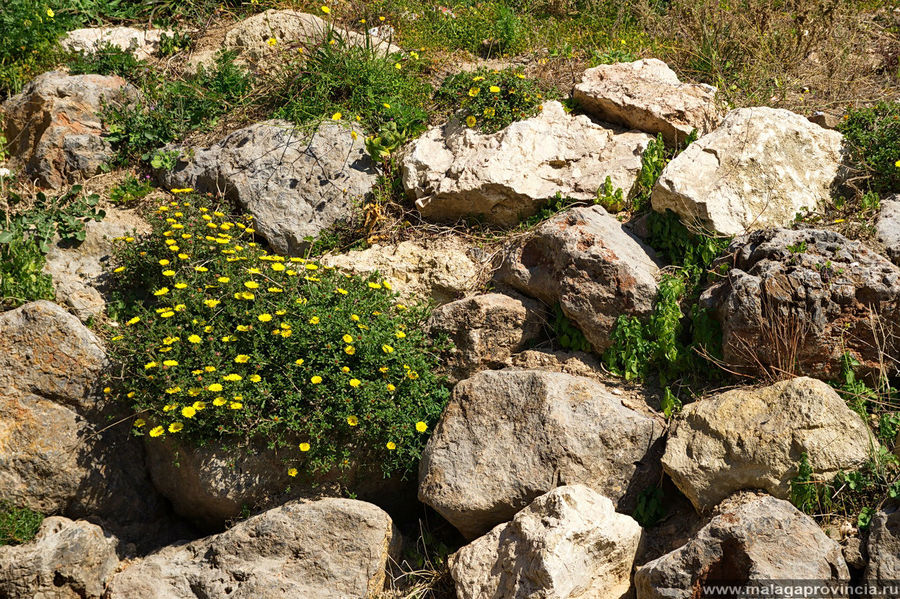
x=751, y=539
x=53, y=127
x=508, y=436
x=587, y=262
x=754, y=438
x=795, y=301
x=486, y=330
x=453, y=171
x=647, y=95
x=568, y=543
x=295, y=185
x=59, y=453
x=78, y=271
x=758, y=169
x=884, y=548
x=888, y=227
x=142, y=43
x=327, y=549
x=66, y=560
x=431, y=269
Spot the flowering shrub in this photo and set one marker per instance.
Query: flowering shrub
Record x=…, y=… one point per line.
x=873, y=137
x=491, y=100
x=28, y=45
x=221, y=339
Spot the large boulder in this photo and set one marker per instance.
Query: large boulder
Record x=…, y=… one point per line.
x=750, y=540
x=453, y=171
x=888, y=227
x=754, y=439
x=53, y=127
x=294, y=184
x=438, y=270
x=486, y=330
x=587, y=262
x=793, y=302
x=758, y=169
x=327, y=549
x=66, y=560
x=59, y=453
x=569, y=543
x=142, y=43
x=884, y=548
x=647, y=95
x=79, y=271
x=508, y=436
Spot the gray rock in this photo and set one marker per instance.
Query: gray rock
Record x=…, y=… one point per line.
x=53, y=127
x=486, y=330
x=647, y=95
x=884, y=547
x=754, y=438
x=453, y=171
x=758, y=169
x=295, y=185
x=888, y=227
x=750, y=539
x=66, y=560
x=794, y=301
x=508, y=436
x=566, y=544
x=327, y=549
x=587, y=262
x=143, y=43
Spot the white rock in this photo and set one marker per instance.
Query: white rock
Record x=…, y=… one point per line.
x=142, y=43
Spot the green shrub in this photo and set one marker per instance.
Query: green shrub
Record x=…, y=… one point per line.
x=482, y=28
x=228, y=340
x=28, y=45
x=130, y=190
x=21, y=271
x=18, y=525
x=170, y=45
x=109, y=60
x=873, y=137
x=491, y=100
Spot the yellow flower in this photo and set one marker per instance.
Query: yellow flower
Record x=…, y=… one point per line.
x=341, y=291
x=494, y=89
x=421, y=426
x=292, y=472
x=255, y=378
x=215, y=387
x=167, y=314
x=223, y=279
x=400, y=334
x=897, y=164
x=391, y=388
x=474, y=91
x=391, y=445
x=347, y=339
x=168, y=273
x=304, y=447
x=299, y=361
x=235, y=405
x=344, y=369
x=211, y=303
x=374, y=285
x=219, y=401
x=479, y=78
x=349, y=350
x=355, y=382
x=199, y=405
x=232, y=377
x=470, y=121
x=169, y=407
x=162, y=291
x=387, y=349
x=413, y=375
x=118, y=338
x=150, y=365
x=170, y=362
x=352, y=420
x=194, y=339
x=489, y=112
x=311, y=267
x=264, y=317
x=336, y=116
x=326, y=10
x=175, y=427
x=251, y=285
x=180, y=285
x=243, y=328
x=272, y=42
x=278, y=267
x=242, y=358
x=50, y=13
x=120, y=269
x=188, y=412
x=134, y=320
x=173, y=390
x=209, y=368
x=314, y=320
x=201, y=269
x=386, y=105
x=315, y=380
x=156, y=431
x=398, y=66
x=140, y=422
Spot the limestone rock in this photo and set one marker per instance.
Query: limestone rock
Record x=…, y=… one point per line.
x=294, y=185
x=327, y=549
x=647, y=95
x=751, y=539
x=143, y=43
x=758, y=169
x=754, y=438
x=438, y=270
x=53, y=127
x=884, y=547
x=587, y=262
x=66, y=560
x=795, y=301
x=78, y=271
x=508, y=436
x=486, y=330
x=568, y=543
x=888, y=227
x=453, y=171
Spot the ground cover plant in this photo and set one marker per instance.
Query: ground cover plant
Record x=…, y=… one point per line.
x=230, y=341
x=17, y=525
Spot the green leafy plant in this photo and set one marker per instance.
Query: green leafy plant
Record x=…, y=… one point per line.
x=483, y=28
x=109, y=60
x=873, y=138
x=567, y=334
x=169, y=45
x=651, y=507
x=18, y=524
x=223, y=340
x=491, y=100
x=611, y=199
x=28, y=45
x=21, y=271
x=130, y=190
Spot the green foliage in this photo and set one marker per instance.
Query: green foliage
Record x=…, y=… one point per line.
x=873, y=138
x=611, y=199
x=28, y=45
x=223, y=340
x=567, y=334
x=169, y=45
x=693, y=251
x=805, y=495
x=172, y=108
x=130, y=190
x=21, y=266
x=339, y=80
x=650, y=507
x=552, y=206
x=388, y=140
x=18, y=525
x=487, y=29
x=491, y=100
x=109, y=60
